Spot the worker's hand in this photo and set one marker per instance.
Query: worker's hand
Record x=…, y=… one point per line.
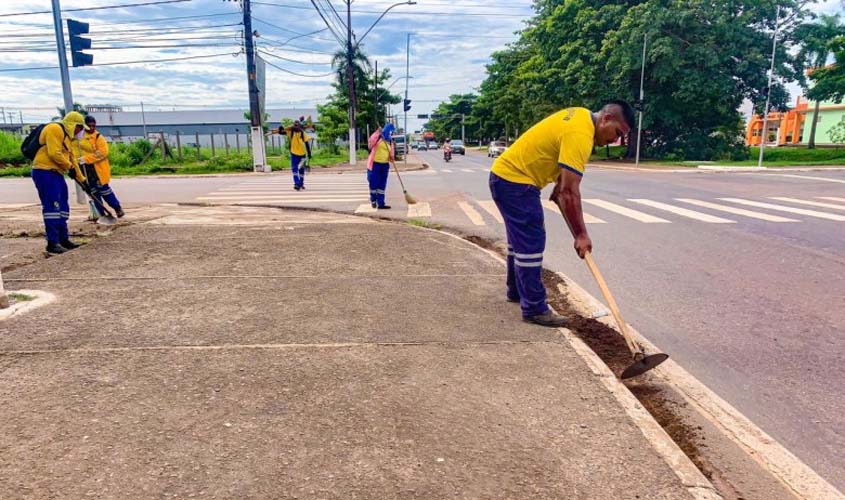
x=583, y=244
x=71, y=173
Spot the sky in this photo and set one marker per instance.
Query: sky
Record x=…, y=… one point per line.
x=451, y=42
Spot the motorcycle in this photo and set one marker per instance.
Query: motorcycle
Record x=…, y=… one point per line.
x=447, y=155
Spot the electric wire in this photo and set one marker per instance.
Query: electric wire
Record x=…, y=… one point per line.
x=298, y=74
x=169, y=59
x=144, y=4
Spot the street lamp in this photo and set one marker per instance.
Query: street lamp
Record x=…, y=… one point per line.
x=409, y=2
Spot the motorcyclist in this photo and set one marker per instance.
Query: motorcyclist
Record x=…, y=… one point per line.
x=447, y=149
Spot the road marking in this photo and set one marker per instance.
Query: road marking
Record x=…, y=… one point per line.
x=419, y=209
x=826, y=179
x=831, y=198
x=782, y=208
x=447, y=170
x=289, y=189
x=807, y=202
x=737, y=211
x=284, y=196
x=15, y=206
x=588, y=219
x=627, y=212
x=365, y=208
x=692, y=214
x=472, y=213
x=490, y=207
x=467, y=170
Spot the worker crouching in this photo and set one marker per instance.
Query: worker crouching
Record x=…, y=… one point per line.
x=96, y=166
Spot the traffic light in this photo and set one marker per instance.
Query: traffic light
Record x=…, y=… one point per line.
x=407, y=104
x=78, y=44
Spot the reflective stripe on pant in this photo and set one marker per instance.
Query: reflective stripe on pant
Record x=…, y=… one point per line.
x=104, y=192
x=522, y=211
x=377, y=178
x=297, y=170
x=52, y=191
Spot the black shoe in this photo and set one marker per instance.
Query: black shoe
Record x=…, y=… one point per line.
x=384, y=207
x=548, y=318
x=374, y=205
x=68, y=245
x=55, y=248
x=297, y=188
x=513, y=300
x=120, y=213
x=302, y=187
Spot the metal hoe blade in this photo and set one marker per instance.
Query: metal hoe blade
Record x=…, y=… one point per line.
x=643, y=364
x=106, y=220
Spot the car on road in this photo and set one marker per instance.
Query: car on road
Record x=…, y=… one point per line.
x=401, y=146
x=458, y=147
x=496, y=148
x=432, y=145
x=419, y=146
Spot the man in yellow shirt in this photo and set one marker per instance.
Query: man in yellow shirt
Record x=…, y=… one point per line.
x=54, y=159
x=300, y=146
x=95, y=162
x=555, y=150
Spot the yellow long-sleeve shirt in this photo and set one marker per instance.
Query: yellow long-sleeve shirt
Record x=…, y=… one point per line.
x=57, y=151
x=95, y=151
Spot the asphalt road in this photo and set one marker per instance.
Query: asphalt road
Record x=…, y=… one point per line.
x=751, y=304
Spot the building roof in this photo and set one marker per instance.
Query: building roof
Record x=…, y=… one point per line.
x=193, y=117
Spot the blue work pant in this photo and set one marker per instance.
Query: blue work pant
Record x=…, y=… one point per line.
x=522, y=211
x=377, y=178
x=104, y=193
x=52, y=191
x=298, y=171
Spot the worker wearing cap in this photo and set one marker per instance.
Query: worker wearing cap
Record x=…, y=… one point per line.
x=300, y=147
x=555, y=150
x=95, y=156
x=378, y=165
x=55, y=158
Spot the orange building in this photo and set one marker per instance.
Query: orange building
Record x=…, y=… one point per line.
x=784, y=128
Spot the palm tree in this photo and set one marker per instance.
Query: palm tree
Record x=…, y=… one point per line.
x=360, y=66
x=815, y=38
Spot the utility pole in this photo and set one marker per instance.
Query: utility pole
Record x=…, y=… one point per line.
x=144, y=119
x=375, y=96
x=765, y=134
x=259, y=154
x=350, y=77
x=3, y=112
x=405, y=107
x=641, y=106
x=66, y=90
x=463, y=130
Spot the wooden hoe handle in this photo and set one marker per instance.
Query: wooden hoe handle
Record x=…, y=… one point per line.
x=614, y=309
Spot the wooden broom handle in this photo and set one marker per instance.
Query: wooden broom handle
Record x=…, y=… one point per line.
x=614, y=309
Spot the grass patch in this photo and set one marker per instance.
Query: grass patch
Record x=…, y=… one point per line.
x=20, y=297
x=424, y=223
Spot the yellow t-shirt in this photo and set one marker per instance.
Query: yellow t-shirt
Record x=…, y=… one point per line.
x=297, y=143
x=382, y=152
x=562, y=140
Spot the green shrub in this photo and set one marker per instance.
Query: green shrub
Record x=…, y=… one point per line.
x=137, y=151
x=801, y=154
x=10, y=150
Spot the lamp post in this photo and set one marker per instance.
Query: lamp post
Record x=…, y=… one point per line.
x=765, y=135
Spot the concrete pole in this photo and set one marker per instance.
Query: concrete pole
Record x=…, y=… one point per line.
x=765, y=135
x=259, y=154
x=640, y=122
x=4, y=300
x=144, y=120
x=407, y=69
x=350, y=76
x=463, y=130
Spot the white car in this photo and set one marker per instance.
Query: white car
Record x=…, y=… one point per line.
x=496, y=148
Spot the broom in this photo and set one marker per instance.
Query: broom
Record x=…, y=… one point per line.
x=408, y=198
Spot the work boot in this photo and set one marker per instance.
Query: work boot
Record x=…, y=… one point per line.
x=297, y=188
x=55, y=248
x=374, y=205
x=68, y=245
x=514, y=300
x=548, y=318
x=384, y=207
x=120, y=213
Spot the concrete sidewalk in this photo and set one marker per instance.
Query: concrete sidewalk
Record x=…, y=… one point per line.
x=233, y=352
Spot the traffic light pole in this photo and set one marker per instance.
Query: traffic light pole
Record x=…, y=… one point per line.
x=259, y=155
x=66, y=91
x=405, y=107
x=350, y=77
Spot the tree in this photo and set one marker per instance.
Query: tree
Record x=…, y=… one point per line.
x=816, y=49
x=830, y=80
x=265, y=121
x=76, y=107
x=449, y=116
x=837, y=132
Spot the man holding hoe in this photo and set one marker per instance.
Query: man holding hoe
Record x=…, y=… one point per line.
x=555, y=150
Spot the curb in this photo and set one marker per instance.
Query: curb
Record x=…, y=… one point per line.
x=18, y=308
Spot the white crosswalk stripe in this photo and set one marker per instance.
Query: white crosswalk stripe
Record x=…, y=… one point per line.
x=627, y=212
x=588, y=219
x=447, y=170
x=467, y=170
x=783, y=208
x=738, y=211
x=809, y=177
x=808, y=202
x=365, y=208
x=684, y=212
x=278, y=190
x=831, y=198
x=472, y=214
x=490, y=207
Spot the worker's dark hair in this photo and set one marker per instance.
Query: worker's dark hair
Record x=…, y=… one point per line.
x=627, y=111
x=90, y=119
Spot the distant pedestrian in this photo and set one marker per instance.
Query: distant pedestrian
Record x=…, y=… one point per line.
x=95, y=164
x=554, y=150
x=382, y=152
x=54, y=159
x=300, y=148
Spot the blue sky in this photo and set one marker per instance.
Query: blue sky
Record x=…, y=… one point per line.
x=450, y=43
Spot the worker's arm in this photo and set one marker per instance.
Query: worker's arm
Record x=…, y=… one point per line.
x=567, y=195
x=100, y=152
x=55, y=144
x=308, y=147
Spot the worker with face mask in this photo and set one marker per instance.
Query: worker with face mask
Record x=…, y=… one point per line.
x=54, y=159
x=96, y=166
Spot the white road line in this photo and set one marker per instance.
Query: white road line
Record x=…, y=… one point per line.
x=289, y=189
x=737, y=211
x=467, y=170
x=447, y=170
x=782, y=208
x=831, y=198
x=281, y=197
x=419, y=209
x=807, y=202
x=826, y=179
x=588, y=219
x=490, y=207
x=472, y=214
x=692, y=214
x=627, y=212
x=365, y=208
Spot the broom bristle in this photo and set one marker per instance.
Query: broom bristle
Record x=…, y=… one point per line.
x=410, y=199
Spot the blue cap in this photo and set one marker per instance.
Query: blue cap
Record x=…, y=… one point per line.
x=387, y=131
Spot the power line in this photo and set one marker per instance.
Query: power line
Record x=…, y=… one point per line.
x=294, y=60
x=330, y=27
x=158, y=2
x=280, y=44
x=277, y=43
x=336, y=15
x=160, y=19
x=170, y=59
x=298, y=74
x=416, y=13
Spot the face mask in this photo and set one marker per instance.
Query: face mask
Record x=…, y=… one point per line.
x=80, y=134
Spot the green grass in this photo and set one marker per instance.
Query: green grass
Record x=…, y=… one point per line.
x=20, y=297
x=424, y=223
